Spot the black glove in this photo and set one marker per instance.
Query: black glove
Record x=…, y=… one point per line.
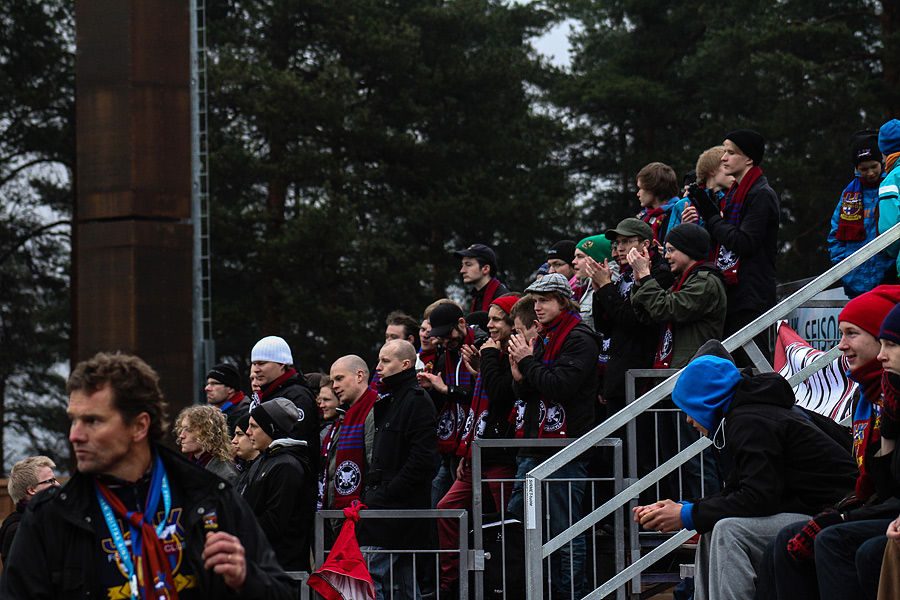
x=704, y=201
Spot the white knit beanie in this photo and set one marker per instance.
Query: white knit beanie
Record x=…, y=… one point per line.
x=273, y=349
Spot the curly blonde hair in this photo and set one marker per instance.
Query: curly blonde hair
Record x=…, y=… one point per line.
x=208, y=422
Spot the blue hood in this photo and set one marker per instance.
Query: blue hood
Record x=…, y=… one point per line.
x=705, y=388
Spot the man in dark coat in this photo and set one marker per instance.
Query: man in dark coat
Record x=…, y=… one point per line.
x=403, y=450
x=784, y=467
x=197, y=537
x=744, y=232
x=277, y=487
x=272, y=363
x=223, y=390
x=28, y=477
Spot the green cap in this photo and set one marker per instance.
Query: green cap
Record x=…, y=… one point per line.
x=596, y=246
x=631, y=227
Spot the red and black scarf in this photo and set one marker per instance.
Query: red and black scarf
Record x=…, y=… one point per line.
x=655, y=218
x=489, y=291
x=667, y=335
x=552, y=415
x=351, y=451
x=727, y=261
x=450, y=420
x=269, y=392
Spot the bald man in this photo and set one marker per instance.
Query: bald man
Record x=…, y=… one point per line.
x=342, y=481
x=402, y=454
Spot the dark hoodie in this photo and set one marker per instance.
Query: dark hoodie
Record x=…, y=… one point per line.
x=782, y=462
x=283, y=501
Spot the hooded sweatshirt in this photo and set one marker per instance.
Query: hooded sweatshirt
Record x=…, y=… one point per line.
x=782, y=462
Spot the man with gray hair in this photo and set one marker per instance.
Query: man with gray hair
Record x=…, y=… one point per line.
x=27, y=478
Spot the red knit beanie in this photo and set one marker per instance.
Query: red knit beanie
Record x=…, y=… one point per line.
x=868, y=310
x=505, y=303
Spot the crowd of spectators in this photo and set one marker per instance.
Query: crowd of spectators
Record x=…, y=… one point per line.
x=787, y=506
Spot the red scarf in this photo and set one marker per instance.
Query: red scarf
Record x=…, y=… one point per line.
x=727, y=261
x=427, y=359
x=351, y=451
x=490, y=290
x=477, y=417
x=552, y=415
x=269, y=392
x=452, y=415
x=667, y=336
x=655, y=218
x=866, y=429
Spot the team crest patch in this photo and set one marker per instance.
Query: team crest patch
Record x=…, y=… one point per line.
x=556, y=417
x=666, y=344
x=470, y=419
x=347, y=478
x=482, y=424
x=446, y=425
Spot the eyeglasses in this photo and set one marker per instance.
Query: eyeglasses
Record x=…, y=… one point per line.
x=623, y=242
x=51, y=481
x=669, y=250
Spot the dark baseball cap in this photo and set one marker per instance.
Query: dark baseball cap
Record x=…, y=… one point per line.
x=443, y=319
x=478, y=251
x=631, y=227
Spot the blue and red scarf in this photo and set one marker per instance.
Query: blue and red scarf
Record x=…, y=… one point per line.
x=851, y=223
x=351, y=451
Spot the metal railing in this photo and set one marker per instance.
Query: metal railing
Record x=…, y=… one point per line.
x=467, y=560
x=537, y=548
x=617, y=481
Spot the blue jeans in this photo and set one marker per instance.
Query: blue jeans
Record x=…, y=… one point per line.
x=567, y=563
x=393, y=572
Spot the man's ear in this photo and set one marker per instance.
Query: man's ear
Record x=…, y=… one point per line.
x=140, y=427
x=486, y=269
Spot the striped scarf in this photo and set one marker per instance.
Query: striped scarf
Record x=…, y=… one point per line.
x=351, y=451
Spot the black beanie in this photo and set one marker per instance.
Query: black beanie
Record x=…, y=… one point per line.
x=564, y=251
x=691, y=239
x=276, y=417
x=864, y=147
x=243, y=423
x=225, y=374
x=750, y=142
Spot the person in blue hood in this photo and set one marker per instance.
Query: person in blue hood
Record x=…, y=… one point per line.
x=783, y=467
